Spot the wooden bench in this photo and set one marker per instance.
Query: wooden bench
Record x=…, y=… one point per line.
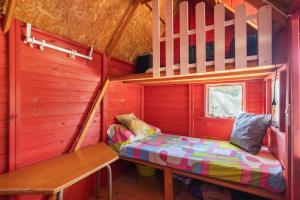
x=52, y=176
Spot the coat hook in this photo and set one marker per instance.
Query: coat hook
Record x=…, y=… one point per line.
x=31, y=42
x=43, y=43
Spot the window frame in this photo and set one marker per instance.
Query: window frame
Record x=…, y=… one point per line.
x=206, y=96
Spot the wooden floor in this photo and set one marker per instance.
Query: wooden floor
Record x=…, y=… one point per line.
x=131, y=186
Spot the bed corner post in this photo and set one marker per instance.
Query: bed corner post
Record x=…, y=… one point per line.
x=168, y=183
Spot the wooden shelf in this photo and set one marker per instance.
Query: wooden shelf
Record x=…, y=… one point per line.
x=259, y=72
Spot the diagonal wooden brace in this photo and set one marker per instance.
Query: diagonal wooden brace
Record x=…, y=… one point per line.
x=90, y=117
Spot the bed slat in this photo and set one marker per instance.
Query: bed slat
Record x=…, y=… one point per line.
x=265, y=35
x=219, y=34
x=156, y=38
x=240, y=34
x=184, y=38
x=200, y=38
x=169, y=39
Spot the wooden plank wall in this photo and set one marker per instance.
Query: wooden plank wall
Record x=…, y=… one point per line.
x=117, y=67
x=179, y=109
x=3, y=102
x=53, y=94
x=229, y=32
x=167, y=108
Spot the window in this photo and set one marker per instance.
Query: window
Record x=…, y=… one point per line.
x=275, y=101
x=224, y=100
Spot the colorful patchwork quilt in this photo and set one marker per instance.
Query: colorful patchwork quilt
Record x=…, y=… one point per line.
x=214, y=158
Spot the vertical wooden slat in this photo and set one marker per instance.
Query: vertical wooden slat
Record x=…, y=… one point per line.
x=13, y=101
x=200, y=37
x=184, y=38
x=156, y=38
x=265, y=35
x=169, y=39
x=219, y=34
x=240, y=34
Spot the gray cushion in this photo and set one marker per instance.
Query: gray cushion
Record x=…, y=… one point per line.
x=249, y=130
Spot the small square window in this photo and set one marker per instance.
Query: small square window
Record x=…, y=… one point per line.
x=224, y=101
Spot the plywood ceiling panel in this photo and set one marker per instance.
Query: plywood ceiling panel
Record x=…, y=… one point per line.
x=85, y=21
x=2, y=2
x=137, y=38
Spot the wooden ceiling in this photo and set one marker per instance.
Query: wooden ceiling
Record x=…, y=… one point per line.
x=98, y=23
x=121, y=28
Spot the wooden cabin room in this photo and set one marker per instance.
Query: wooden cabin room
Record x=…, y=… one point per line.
x=149, y=100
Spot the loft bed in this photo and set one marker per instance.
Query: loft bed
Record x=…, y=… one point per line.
x=239, y=68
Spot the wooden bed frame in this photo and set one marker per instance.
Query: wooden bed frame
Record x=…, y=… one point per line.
x=168, y=181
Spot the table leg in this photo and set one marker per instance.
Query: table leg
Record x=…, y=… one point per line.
x=60, y=195
x=98, y=185
x=109, y=178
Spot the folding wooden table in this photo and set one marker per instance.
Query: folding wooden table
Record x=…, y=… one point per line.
x=52, y=176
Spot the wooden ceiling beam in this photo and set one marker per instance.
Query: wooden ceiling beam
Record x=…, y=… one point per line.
x=9, y=13
x=121, y=28
x=278, y=15
x=150, y=8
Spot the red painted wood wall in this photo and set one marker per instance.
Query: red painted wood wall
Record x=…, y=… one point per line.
x=117, y=67
x=54, y=93
x=179, y=109
x=3, y=103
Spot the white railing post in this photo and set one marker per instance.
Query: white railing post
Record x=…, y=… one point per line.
x=169, y=39
x=265, y=35
x=156, y=38
x=240, y=36
x=219, y=36
x=200, y=38
x=184, y=38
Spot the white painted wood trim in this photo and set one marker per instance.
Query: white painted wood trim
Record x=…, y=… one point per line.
x=169, y=39
x=219, y=36
x=265, y=36
x=240, y=36
x=156, y=38
x=184, y=37
x=211, y=27
x=200, y=38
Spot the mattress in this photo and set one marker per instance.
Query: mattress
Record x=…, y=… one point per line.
x=213, y=158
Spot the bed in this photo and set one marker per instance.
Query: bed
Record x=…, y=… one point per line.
x=214, y=161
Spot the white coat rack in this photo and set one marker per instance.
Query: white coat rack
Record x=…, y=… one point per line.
x=42, y=44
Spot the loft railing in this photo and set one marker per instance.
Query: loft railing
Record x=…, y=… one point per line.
x=264, y=32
